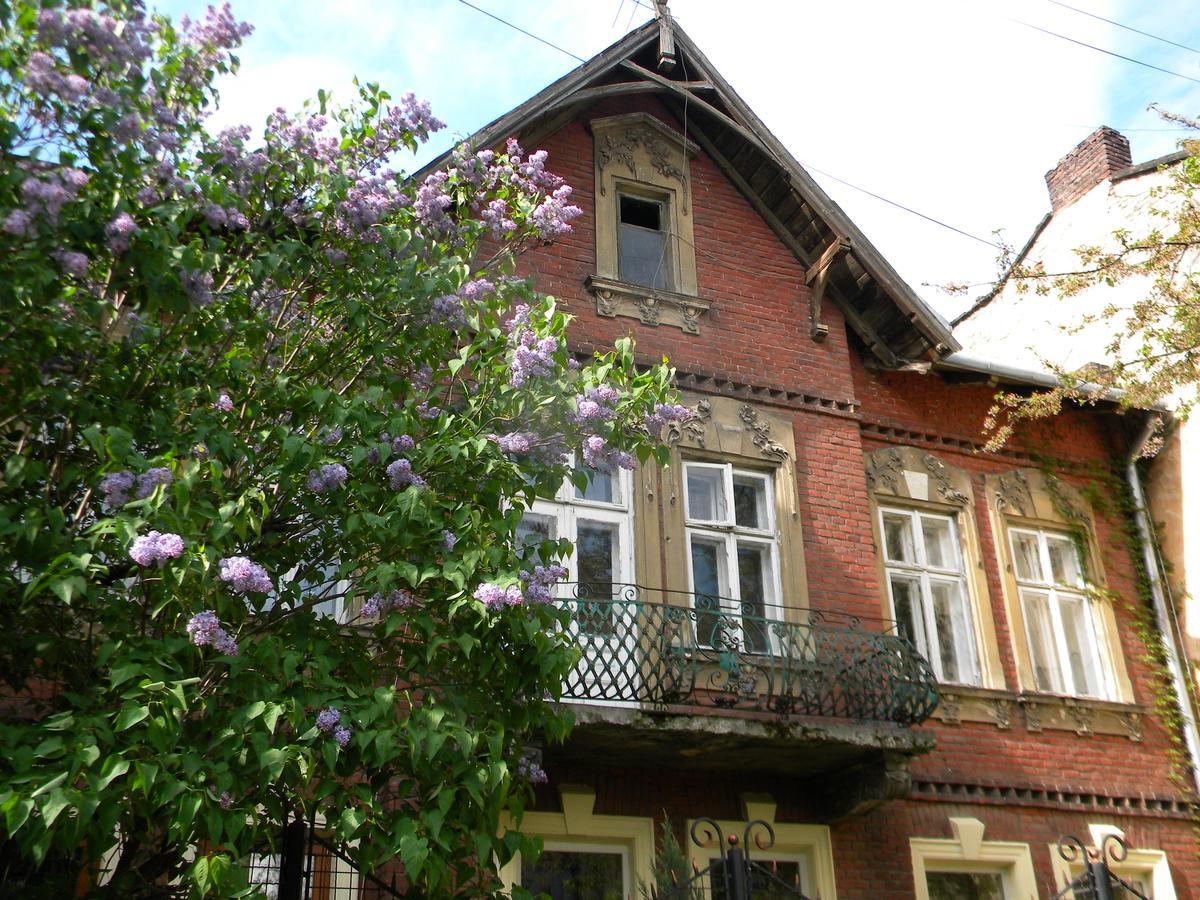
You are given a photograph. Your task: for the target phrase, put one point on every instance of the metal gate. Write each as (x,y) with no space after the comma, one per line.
(1097,881)
(310,867)
(734,875)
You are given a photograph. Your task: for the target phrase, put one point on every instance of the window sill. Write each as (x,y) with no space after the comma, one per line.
(652,306)
(1041,712)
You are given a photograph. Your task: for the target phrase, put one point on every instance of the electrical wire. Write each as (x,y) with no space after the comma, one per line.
(540,40)
(1105,52)
(1084,12)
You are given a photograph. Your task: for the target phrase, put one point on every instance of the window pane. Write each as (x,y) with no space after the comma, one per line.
(1026,557)
(706,494)
(898,538)
(764,881)
(1036,607)
(1081,644)
(954,637)
(601,486)
(642,256)
(940,551)
(754,574)
(532,531)
(750,502)
(1064,560)
(965,885)
(906,600)
(709,584)
(576,875)
(597,546)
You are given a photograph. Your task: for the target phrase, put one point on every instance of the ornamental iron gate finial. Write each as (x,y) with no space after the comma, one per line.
(733,875)
(1097,881)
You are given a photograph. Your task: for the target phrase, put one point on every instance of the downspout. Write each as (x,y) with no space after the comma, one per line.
(1161,614)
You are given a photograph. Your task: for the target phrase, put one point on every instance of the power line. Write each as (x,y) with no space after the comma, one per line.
(1084,12)
(921,215)
(540,40)
(1102,50)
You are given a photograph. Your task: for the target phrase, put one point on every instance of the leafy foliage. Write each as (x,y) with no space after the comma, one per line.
(268,429)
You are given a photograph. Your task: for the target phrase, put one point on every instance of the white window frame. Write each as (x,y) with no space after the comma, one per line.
(922,570)
(621,850)
(566,511)
(728,534)
(1056,593)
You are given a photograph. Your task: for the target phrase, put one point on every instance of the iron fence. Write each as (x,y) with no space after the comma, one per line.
(707,651)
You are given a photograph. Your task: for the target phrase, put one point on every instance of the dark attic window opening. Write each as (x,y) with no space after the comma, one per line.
(642,242)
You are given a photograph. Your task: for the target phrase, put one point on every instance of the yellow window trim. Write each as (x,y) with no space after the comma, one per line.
(577,823)
(967,851)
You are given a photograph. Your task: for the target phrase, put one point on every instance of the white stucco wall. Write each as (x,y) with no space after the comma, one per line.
(1030,330)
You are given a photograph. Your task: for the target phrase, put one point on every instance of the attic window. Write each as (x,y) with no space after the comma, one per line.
(642,242)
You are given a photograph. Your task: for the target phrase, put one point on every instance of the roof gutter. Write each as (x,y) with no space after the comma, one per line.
(962,362)
(1179,679)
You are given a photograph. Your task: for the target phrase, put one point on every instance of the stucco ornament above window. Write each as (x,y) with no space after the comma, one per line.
(645,251)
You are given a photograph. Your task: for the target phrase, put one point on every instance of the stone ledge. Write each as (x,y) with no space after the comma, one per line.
(1083,715)
(652,306)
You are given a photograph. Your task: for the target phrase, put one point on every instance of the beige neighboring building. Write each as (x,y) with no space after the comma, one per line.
(1096,190)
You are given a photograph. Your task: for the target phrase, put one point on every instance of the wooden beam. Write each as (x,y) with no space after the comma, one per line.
(817,277)
(693,100)
(666,36)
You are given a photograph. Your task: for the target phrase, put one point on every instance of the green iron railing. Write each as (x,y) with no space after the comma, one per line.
(708,651)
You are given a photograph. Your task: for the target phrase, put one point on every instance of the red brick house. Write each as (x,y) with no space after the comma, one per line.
(832,612)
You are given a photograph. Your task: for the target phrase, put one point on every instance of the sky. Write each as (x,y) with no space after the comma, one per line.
(953,108)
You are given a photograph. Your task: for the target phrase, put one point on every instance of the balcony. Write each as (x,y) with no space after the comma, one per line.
(665,678)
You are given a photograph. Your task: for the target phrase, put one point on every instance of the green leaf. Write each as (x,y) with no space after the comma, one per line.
(130,715)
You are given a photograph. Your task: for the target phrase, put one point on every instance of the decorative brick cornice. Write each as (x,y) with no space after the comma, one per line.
(1057,797)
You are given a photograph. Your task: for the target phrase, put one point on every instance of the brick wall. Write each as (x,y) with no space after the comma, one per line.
(756,334)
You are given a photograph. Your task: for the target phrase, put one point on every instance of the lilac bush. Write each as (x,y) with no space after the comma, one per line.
(254,378)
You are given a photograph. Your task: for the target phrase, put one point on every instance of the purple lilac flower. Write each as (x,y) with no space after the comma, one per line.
(116,487)
(379,604)
(401,443)
(530,770)
(328,718)
(493,596)
(149,480)
(664,414)
(18,223)
(401,474)
(432,202)
(596,405)
(156,547)
(598,455)
(224,402)
(197,286)
(204,628)
(552,217)
(71,262)
(533,357)
(333,435)
(331,477)
(425,411)
(225,800)
(119,231)
(449,538)
(245,576)
(341,734)
(540,580)
(515,441)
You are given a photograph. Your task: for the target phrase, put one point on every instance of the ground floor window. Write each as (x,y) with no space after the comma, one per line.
(965,885)
(579,872)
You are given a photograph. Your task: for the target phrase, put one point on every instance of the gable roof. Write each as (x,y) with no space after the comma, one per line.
(886,314)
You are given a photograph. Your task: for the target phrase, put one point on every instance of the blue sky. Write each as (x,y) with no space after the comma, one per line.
(947,106)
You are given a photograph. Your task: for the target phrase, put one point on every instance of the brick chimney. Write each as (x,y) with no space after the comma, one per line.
(1097,158)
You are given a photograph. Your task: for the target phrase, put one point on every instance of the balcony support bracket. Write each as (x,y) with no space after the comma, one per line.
(863,787)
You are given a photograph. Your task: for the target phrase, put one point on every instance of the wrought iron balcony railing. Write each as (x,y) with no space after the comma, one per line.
(708,651)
